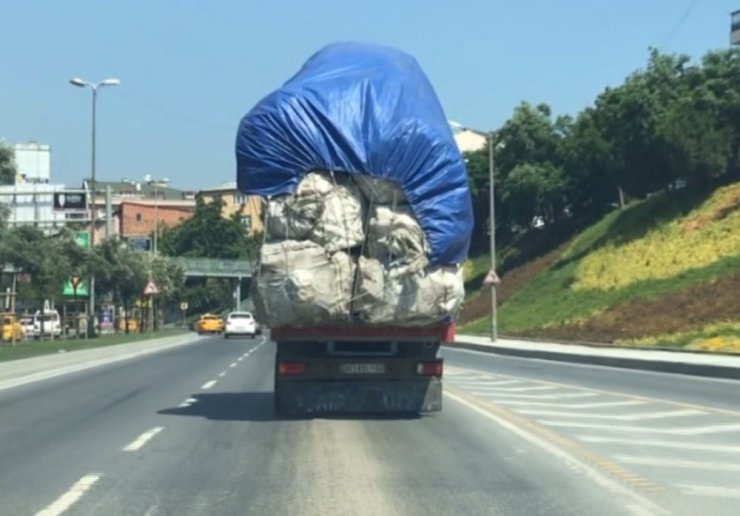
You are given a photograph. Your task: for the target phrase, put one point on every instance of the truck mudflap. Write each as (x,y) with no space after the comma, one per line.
(301,398)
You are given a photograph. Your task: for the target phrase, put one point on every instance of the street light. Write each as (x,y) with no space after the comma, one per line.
(94,87)
(156,183)
(491,279)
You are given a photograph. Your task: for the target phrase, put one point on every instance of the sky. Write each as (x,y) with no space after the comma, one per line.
(190,69)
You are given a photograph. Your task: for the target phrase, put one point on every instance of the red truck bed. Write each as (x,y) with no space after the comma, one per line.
(444,333)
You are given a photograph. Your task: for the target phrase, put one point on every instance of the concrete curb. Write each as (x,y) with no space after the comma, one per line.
(644,364)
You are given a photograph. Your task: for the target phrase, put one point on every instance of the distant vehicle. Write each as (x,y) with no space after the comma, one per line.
(240,323)
(27,323)
(210,323)
(12,330)
(51,327)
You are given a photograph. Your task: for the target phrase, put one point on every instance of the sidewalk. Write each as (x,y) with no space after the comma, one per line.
(693,363)
(27,370)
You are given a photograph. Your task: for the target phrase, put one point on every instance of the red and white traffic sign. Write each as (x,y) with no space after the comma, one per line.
(151,289)
(491,279)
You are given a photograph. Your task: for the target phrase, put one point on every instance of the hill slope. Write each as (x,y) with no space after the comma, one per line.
(665,270)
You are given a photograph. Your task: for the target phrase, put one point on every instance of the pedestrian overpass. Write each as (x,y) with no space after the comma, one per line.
(214,268)
(201,268)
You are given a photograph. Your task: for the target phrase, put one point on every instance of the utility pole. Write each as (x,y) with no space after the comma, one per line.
(492,233)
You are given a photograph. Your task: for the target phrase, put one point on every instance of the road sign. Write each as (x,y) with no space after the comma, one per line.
(183,306)
(142,244)
(82,238)
(80,291)
(70,201)
(151,289)
(491,279)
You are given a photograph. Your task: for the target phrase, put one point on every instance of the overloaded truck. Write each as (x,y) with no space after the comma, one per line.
(367,223)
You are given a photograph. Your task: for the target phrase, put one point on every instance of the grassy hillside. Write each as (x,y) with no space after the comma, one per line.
(662,270)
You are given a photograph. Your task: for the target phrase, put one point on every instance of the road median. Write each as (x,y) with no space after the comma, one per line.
(681,362)
(27,370)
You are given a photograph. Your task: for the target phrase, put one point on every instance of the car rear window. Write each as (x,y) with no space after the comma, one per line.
(240,316)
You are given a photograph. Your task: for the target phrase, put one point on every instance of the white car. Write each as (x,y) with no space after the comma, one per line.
(52,326)
(240,323)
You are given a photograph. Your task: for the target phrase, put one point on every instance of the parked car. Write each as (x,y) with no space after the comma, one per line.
(12,330)
(27,323)
(52,324)
(210,323)
(240,323)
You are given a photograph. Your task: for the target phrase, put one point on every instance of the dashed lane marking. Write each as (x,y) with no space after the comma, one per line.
(69,498)
(143,439)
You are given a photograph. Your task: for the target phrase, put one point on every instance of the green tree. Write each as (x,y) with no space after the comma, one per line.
(7,164)
(208,234)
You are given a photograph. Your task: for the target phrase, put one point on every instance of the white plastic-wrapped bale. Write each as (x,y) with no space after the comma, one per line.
(395,296)
(298,282)
(340,225)
(295,216)
(327,213)
(396,238)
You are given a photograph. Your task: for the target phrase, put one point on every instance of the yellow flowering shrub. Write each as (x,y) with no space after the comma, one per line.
(704,236)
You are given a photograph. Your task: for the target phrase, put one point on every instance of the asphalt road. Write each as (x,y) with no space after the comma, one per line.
(191,431)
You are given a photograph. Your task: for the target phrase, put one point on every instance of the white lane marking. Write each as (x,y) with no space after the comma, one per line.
(716,491)
(518,389)
(721,448)
(143,439)
(572,395)
(233,364)
(698,430)
(208,385)
(482,380)
(640,505)
(598,404)
(222,374)
(636,416)
(678,463)
(187,402)
(75,492)
(240,359)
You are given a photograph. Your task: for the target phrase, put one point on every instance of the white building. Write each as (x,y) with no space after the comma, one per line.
(30,201)
(468,140)
(33,163)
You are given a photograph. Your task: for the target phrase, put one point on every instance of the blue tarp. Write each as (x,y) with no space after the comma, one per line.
(367,109)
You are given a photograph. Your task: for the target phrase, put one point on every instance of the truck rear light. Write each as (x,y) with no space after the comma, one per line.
(291,368)
(430,368)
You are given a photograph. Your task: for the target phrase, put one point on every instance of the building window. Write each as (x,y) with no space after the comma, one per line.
(247,222)
(139,217)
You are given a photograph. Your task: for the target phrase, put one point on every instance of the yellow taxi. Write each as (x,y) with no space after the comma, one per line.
(12,329)
(210,323)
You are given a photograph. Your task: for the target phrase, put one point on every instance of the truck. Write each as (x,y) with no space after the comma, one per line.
(359,369)
(369,113)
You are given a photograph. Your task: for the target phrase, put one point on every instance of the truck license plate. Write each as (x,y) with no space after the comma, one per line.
(362,368)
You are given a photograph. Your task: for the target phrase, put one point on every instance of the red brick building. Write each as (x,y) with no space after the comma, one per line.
(138,217)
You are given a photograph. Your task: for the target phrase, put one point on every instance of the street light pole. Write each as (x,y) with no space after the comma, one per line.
(492,234)
(156,183)
(156,216)
(93,214)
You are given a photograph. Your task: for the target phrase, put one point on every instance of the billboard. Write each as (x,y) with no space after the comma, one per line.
(70,201)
